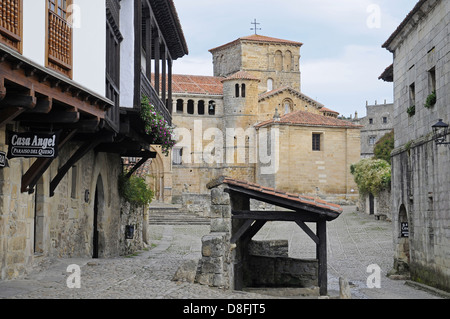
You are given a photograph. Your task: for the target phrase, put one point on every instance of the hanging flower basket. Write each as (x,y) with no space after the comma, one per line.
(157,127)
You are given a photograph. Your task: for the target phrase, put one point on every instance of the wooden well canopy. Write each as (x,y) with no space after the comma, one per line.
(297,208)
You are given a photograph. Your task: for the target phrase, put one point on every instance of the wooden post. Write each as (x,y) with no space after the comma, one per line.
(322,256)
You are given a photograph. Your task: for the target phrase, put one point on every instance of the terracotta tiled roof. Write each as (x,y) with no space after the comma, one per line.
(197,84)
(258,38)
(324,109)
(241,75)
(310,119)
(295,198)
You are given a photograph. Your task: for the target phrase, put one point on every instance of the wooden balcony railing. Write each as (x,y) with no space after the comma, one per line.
(11,23)
(148,90)
(59,44)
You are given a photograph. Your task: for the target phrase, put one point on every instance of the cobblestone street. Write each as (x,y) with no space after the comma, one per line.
(355,241)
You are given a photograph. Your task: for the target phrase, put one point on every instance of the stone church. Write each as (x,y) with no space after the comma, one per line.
(251,121)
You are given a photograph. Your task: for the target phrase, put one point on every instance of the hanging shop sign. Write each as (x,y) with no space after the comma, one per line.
(33,145)
(404,229)
(3,161)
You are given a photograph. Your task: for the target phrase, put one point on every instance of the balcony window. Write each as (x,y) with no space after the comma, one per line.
(59,37)
(11,23)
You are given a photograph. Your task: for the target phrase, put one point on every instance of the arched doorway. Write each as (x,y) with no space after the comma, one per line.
(99,203)
(156,177)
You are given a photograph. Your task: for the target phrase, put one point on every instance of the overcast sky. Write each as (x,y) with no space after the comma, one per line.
(341,58)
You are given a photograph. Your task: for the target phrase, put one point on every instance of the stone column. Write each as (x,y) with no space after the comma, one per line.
(214,267)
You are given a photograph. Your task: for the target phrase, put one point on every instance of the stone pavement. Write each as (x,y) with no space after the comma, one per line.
(355,241)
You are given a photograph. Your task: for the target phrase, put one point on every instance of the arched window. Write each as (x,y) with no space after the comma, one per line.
(278,61)
(236,89)
(269,85)
(288,61)
(201,107)
(190,107)
(243,90)
(180,106)
(288,106)
(212,108)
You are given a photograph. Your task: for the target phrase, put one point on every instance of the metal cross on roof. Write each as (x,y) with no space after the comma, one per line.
(256,26)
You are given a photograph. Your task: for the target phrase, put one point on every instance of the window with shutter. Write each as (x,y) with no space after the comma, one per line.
(11,23)
(59,36)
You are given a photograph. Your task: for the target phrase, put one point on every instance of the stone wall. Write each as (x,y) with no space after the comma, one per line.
(36,226)
(268,265)
(132,222)
(382,205)
(327,172)
(420,179)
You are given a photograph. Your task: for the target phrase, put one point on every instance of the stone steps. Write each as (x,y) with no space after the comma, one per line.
(165,214)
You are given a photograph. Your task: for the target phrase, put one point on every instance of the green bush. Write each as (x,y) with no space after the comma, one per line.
(134,190)
(372,175)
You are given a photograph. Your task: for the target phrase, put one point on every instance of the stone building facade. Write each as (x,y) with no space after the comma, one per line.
(421,178)
(216,119)
(377,123)
(64,128)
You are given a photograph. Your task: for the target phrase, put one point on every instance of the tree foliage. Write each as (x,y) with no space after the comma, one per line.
(384,147)
(135,190)
(372,175)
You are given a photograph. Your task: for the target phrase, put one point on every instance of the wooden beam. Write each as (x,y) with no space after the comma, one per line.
(242,231)
(322,257)
(283,202)
(79,154)
(19,100)
(308,231)
(8,114)
(275,215)
(43,106)
(256,227)
(35,172)
(137,166)
(2,89)
(52,117)
(39,83)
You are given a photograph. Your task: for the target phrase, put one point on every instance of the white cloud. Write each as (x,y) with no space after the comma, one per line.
(194,65)
(346,81)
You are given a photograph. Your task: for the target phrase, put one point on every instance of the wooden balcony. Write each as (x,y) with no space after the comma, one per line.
(59,44)
(11,23)
(148,90)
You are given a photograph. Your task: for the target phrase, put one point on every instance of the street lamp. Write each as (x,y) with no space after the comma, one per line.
(440,131)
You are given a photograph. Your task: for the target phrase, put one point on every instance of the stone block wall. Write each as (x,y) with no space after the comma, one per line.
(36,226)
(420,178)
